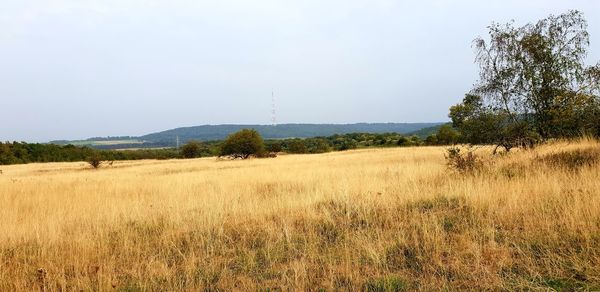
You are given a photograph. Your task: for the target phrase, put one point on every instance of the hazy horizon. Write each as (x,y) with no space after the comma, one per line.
(79,69)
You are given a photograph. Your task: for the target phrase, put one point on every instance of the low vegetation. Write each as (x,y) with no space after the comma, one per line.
(463,160)
(385,219)
(94,161)
(21,152)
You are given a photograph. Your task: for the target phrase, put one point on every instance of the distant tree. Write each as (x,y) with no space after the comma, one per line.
(415,140)
(297,146)
(274,147)
(431,140)
(319,146)
(446,135)
(403,141)
(6,155)
(346,145)
(409,141)
(243,144)
(192,149)
(533,79)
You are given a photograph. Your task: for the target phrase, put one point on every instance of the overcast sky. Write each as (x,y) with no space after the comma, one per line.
(74,69)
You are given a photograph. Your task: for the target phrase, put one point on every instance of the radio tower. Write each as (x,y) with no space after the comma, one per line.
(273,118)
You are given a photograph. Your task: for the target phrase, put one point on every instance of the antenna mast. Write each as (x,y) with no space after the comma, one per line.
(273,117)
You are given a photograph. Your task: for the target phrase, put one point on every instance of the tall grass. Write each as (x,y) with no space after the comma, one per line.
(378,220)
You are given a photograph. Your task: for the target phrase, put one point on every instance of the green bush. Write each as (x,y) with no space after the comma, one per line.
(191,149)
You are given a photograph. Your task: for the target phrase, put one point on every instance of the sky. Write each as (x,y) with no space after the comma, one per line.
(72,69)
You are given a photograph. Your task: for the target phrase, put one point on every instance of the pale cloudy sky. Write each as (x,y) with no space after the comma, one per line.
(80,68)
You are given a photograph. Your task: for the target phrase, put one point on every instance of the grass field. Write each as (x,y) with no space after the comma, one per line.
(377,220)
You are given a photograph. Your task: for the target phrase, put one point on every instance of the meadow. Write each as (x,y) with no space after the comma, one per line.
(374,219)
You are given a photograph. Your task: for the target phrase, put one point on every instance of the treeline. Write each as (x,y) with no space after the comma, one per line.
(343,142)
(445,135)
(21,152)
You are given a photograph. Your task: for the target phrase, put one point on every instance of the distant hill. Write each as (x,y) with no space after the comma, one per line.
(168,138)
(219,132)
(423,133)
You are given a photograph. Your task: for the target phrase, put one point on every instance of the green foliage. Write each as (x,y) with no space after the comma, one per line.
(409,141)
(575,115)
(446,135)
(534,83)
(479,124)
(317,145)
(387,284)
(274,147)
(193,149)
(17,153)
(342,142)
(296,146)
(431,140)
(242,144)
(403,141)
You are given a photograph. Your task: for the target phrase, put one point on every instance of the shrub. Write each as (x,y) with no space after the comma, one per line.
(403,141)
(191,149)
(463,163)
(94,161)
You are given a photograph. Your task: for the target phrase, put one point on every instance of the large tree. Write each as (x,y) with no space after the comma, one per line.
(243,144)
(534,77)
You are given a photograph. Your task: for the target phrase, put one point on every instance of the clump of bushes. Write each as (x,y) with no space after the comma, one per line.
(194,149)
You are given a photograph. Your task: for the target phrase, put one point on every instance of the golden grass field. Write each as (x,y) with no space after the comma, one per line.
(377,220)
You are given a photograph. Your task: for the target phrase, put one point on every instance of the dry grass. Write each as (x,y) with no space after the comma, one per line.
(385,219)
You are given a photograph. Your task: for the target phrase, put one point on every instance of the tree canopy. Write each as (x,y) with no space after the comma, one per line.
(533,84)
(243,144)
(193,149)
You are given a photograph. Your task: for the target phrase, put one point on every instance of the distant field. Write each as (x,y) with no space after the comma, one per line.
(377,220)
(141,148)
